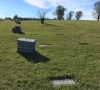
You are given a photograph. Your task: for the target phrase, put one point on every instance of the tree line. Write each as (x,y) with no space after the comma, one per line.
(59,13)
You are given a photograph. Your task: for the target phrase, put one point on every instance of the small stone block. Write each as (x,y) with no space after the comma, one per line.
(16,29)
(26,45)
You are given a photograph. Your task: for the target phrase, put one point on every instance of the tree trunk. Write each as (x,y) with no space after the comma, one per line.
(42,20)
(98,16)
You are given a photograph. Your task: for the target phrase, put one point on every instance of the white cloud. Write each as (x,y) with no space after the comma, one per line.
(87,15)
(72,5)
(38,3)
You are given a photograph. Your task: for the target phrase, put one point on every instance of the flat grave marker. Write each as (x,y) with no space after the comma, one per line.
(62,82)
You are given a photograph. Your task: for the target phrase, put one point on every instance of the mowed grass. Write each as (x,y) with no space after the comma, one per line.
(75,53)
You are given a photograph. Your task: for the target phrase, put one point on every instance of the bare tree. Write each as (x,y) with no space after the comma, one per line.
(69,15)
(41,14)
(78,15)
(95,15)
(96,12)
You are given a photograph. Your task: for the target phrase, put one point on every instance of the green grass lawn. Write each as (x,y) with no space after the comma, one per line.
(75,53)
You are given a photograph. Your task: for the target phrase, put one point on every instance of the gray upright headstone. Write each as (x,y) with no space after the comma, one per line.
(17,21)
(16,29)
(26,45)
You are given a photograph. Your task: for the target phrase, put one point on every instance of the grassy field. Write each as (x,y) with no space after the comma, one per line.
(75,53)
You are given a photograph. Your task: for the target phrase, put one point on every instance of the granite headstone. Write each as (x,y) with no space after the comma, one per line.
(26,45)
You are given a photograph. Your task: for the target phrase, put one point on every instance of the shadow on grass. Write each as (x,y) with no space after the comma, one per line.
(61,77)
(21,33)
(51,25)
(83,43)
(34,57)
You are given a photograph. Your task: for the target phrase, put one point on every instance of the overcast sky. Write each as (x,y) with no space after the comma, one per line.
(29,8)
